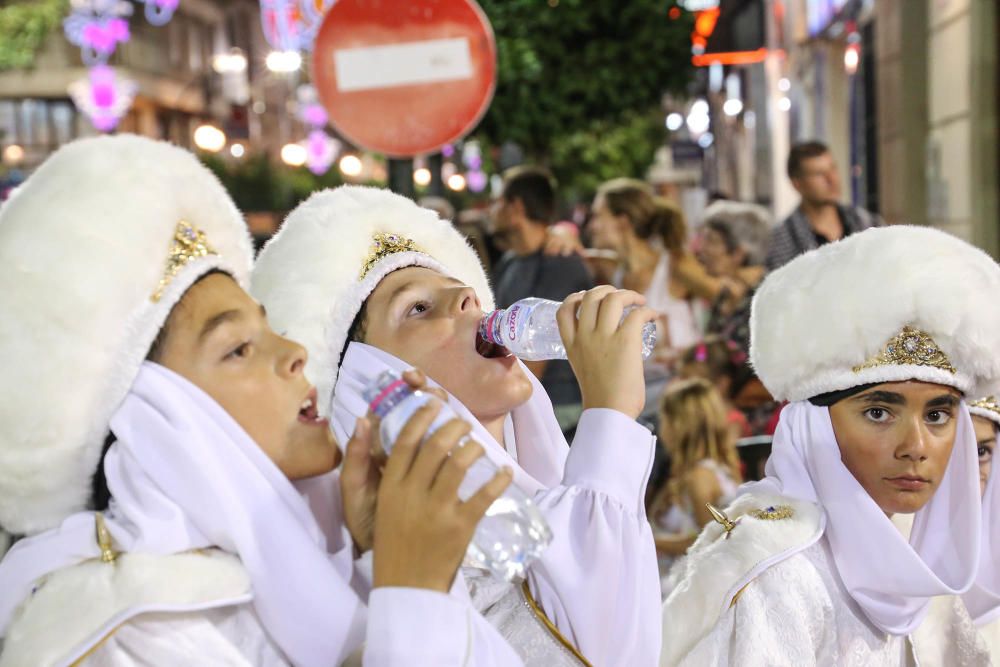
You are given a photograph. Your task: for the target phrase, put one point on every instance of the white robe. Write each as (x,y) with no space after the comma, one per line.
(404,628)
(598,581)
(195,609)
(771,595)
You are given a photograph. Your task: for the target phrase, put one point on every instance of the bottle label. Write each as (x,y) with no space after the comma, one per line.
(513,316)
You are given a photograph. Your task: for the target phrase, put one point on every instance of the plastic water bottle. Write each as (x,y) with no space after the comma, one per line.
(530,331)
(513,532)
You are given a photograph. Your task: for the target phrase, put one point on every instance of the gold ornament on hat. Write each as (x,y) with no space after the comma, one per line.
(910,347)
(189,244)
(383,245)
(988,403)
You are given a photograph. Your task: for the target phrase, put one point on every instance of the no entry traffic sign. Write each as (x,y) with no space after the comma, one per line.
(405,77)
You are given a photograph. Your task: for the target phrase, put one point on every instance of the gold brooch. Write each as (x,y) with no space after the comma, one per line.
(910,347)
(189,243)
(721,518)
(988,403)
(773,513)
(383,245)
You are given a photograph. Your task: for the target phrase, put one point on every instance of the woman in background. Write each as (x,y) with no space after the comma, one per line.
(704,467)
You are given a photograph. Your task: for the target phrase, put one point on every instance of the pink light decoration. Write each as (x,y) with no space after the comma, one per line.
(476,180)
(104,35)
(103,97)
(447,150)
(314,115)
(321,151)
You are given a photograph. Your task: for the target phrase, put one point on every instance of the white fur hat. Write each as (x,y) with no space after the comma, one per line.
(93,256)
(884,305)
(987,408)
(325,261)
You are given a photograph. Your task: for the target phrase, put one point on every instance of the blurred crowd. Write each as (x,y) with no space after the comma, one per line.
(713,417)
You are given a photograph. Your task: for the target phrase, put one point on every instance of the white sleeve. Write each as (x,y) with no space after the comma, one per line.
(598,581)
(421,628)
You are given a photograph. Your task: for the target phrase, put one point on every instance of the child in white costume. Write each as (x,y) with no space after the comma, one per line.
(983,600)
(121,260)
(875,340)
(339,263)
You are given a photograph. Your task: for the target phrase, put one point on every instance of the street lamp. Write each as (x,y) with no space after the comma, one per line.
(232,62)
(732,107)
(422,177)
(209,138)
(350,165)
(283,61)
(294,155)
(13,155)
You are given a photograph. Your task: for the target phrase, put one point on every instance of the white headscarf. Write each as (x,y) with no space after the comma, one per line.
(891,580)
(184,475)
(535,449)
(983,599)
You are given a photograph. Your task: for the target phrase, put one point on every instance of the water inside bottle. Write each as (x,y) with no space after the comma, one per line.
(511,535)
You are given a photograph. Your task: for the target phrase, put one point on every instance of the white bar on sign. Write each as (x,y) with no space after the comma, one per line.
(427,61)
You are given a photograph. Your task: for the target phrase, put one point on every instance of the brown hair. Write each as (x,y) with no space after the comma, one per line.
(698,427)
(801,152)
(649,215)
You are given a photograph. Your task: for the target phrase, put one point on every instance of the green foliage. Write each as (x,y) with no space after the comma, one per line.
(563,68)
(580,83)
(581,161)
(24,27)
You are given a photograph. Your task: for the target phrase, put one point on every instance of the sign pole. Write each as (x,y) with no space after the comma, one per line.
(401,176)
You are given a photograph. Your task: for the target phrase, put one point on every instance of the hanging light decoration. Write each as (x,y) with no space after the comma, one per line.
(321,148)
(97,27)
(159,12)
(282,21)
(103,96)
(312,13)
(321,151)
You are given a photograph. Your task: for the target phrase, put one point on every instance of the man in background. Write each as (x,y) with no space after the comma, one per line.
(820,217)
(522,215)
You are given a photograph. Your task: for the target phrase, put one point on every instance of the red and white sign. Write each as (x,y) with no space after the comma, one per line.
(405,77)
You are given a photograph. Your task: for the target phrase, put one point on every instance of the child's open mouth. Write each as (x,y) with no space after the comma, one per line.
(490,350)
(308,412)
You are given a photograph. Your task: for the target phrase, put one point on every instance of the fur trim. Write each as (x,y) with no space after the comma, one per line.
(307,276)
(832,309)
(707,580)
(986,408)
(75,608)
(83,246)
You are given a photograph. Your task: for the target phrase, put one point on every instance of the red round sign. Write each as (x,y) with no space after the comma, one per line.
(405,77)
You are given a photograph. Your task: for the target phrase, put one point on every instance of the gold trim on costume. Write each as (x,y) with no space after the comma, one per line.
(93,649)
(108,554)
(721,519)
(189,244)
(383,245)
(736,597)
(910,347)
(773,513)
(550,626)
(988,403)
